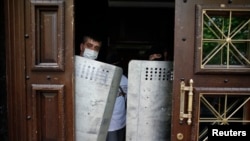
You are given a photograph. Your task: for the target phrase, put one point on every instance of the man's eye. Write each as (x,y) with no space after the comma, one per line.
(89,45)
(97,47)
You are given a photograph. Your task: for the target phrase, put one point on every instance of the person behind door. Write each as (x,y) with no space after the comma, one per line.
(157,53)
(117,127)
(90,46)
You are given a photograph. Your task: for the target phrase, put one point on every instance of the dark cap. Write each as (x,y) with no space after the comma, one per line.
(113,58)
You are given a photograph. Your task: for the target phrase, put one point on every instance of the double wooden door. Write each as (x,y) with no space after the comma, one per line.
(211,68)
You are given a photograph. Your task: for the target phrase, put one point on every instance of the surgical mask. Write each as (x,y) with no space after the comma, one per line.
(90,54)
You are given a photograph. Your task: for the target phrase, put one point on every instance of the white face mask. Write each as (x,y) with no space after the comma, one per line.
(90,54)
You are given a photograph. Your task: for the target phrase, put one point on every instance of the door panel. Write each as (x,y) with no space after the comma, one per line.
(47,24)
(222,43)
(40,66)
(48,114)
(222,108)
(211,66)
(49,67)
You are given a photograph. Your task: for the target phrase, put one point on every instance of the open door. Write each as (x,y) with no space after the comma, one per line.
(40,50)
(211,66)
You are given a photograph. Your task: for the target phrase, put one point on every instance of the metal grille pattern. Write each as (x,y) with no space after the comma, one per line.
(225,39)
(222,109)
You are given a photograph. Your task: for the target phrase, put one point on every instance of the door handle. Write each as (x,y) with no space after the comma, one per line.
(183,89)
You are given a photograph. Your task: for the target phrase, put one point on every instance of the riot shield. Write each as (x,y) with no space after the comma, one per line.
(149,100)
(96,87)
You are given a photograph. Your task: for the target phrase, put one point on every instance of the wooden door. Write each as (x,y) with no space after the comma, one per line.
(40,71)
(211,66)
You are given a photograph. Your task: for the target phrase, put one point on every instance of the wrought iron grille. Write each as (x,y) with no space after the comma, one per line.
(222,109)
(225,42)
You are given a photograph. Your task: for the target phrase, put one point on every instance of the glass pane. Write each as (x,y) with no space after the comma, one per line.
(222,109)
(225,39)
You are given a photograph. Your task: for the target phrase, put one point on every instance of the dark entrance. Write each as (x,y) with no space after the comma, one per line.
(3,94)
(132,28)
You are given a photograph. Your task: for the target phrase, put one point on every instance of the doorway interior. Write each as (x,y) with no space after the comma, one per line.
(132,28)
(3,95)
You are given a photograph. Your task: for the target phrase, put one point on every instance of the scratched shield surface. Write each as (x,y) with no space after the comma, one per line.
(149,100)
(96,87)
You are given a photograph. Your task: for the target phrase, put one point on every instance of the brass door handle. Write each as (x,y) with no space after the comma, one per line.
(183,89)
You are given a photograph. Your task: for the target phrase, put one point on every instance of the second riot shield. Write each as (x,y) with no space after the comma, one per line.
(149,100)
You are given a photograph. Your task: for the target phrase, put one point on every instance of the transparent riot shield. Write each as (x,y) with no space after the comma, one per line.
(96,87)
(149,100)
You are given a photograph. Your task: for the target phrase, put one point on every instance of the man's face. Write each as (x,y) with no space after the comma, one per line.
(155,56)
(90,44)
